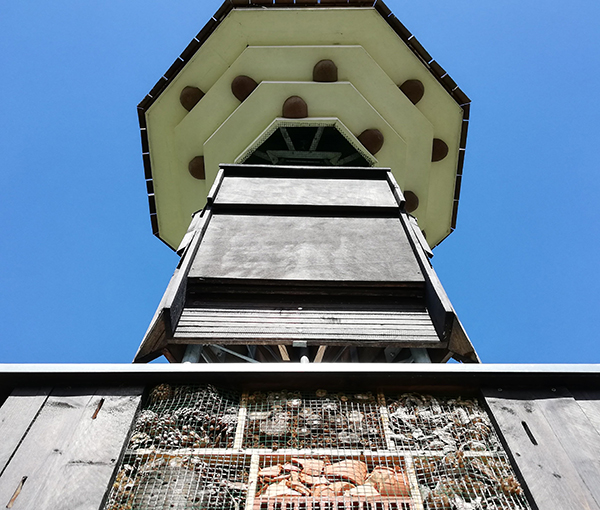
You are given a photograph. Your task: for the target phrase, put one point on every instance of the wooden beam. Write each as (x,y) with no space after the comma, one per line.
(284,352)
(320,354)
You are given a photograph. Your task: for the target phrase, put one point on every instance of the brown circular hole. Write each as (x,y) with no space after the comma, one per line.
(242,86)
(439,150)
(295,107)
(190,96)
(325,71)
(413,89)
(411,201)
(372,139)
(196,167)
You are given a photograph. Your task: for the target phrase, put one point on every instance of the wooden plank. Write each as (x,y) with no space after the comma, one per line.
(551,477)
(171,305)
(589,401)
(440,308)
(577,434)
(285,356)
(305,192)
(16,416)
(71,451)
(299,248)
(320,354)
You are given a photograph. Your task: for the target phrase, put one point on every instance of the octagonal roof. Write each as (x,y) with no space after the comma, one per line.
(277,48)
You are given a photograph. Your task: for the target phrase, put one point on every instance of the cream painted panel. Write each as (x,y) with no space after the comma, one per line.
(339,99)
(295,63)
(243,27)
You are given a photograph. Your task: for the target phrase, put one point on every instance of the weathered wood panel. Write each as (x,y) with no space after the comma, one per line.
(589,401)
(16,415)
(539,448)
(306,248)
(305,192)
(71,450)
(577,435)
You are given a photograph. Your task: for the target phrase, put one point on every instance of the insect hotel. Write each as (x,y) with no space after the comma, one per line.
(303,159)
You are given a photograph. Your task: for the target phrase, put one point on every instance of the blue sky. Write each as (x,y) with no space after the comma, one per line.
(81,273)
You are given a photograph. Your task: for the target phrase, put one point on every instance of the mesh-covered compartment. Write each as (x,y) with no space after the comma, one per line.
(162,482)
(332,482)
(313,420)
(457,480)
(186,416)
(425,422)
(198,447)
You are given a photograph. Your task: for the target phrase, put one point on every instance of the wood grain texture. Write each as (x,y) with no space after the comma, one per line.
(589,401)
(68,457)
(330,326)
(305,191)
(306,248)
(537,445)
(576,433)
(16,415)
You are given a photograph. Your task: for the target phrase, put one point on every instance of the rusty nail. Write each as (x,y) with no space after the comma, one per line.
(98,407)
(17,492)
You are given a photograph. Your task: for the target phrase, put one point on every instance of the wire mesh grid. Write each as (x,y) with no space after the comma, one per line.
(199,447)
(425,422)
(309,420)
(186,482)
(457,481)
(332,482)
(187,416)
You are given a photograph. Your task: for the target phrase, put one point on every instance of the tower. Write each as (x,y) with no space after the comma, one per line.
(303,159)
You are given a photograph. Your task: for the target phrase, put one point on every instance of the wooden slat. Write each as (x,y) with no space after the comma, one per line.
(535,445)
(334,330)
(16,416)
(71,450)
(589,401)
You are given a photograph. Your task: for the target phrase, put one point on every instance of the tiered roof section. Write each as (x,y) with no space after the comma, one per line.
(353,64)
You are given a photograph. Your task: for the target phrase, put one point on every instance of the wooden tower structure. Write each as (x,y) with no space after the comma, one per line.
(303,159)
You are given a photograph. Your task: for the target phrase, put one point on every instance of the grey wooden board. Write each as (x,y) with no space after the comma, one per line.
(328,326)
(331,321)
(552,478)
(305,191)
(589,401)
(16,415)
(306,248)
(68,457)
(576,433)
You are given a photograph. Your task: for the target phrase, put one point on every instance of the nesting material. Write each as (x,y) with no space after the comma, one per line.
(455,481)
(200,447)
(424,422)
(180,483)
(336,481)
(320,419)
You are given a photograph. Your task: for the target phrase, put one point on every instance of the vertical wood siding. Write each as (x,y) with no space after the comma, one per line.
(59,448)
(554,439)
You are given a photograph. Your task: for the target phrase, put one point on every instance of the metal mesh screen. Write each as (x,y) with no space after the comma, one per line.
(199,447)
(457,480)
(305,420)
(424,422)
